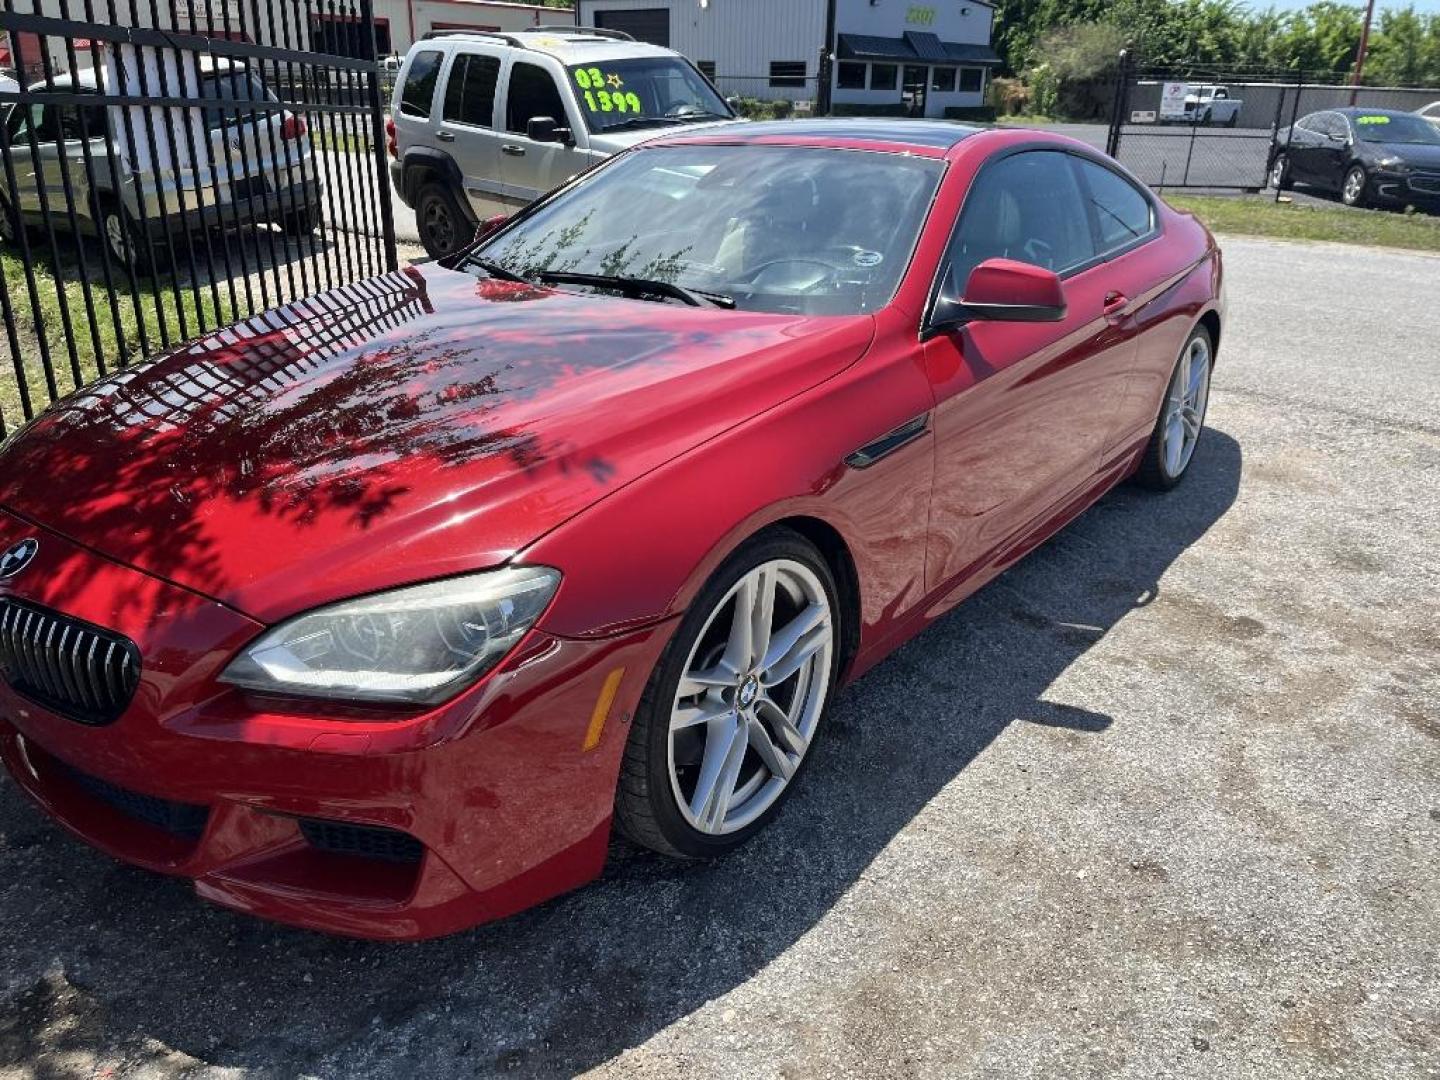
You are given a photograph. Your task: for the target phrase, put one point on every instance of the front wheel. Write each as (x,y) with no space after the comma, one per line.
(736,702)
(1352,190)
(1182,416)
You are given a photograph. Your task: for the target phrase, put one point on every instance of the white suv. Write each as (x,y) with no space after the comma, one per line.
(484,123)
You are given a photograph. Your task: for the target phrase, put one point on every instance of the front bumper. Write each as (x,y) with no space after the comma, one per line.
(503,794)
(1419,189)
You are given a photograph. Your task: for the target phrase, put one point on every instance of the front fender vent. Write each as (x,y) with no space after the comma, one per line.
(70,667)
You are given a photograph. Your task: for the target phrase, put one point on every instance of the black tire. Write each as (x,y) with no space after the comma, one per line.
(1359,195)
(645,806)
(1234,120)
(302,222)
(444,226)
(1282,181)
(136,252)
(9,224)
(1153,472)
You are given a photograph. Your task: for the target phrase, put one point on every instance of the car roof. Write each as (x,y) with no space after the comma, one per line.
(582,45)
(86,79)
(933,138)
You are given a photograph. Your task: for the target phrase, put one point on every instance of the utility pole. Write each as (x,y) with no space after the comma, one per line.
(825,75)
(1360,55)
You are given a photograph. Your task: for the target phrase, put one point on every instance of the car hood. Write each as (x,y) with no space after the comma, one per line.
(1417,155)
(419,424)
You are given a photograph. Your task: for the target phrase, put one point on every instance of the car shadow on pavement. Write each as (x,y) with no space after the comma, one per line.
(100,958)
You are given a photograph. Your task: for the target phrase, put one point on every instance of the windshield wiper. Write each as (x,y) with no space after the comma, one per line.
(495,270)
(643,121)
(639,287)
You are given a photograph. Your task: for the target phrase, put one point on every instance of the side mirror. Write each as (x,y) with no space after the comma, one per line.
(1004,290)
(543,129)
(489,225)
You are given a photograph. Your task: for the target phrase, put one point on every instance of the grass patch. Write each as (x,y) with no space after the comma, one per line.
(340,141)
(1025,120)
(61,327)
(1262,216)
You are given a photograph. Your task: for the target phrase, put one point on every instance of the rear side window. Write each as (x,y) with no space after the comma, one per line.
(236,86)
(1027,207)
(470,91)
(419,91)
(532,93)
(1122,213)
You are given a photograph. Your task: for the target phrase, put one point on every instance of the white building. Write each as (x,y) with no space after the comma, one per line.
(889,55)
(398,23)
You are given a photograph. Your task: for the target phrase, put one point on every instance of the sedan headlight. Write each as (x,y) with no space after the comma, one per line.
(416,645)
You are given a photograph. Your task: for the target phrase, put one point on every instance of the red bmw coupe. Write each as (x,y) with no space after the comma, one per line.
(377,613)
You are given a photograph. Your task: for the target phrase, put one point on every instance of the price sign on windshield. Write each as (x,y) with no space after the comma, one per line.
(605,92)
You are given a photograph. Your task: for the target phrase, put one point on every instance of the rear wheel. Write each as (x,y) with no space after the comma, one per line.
(1182,416)
(444,227)
(121,238)
(9,224)
(1280,173)
(735,703)
(1352,189)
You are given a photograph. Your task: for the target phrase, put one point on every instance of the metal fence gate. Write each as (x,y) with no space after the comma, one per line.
(1171,127)
(171,167)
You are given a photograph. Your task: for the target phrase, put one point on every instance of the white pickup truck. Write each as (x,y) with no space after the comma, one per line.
(1204,105)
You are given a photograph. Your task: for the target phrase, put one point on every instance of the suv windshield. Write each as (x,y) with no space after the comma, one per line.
(776,228)
(644,91)
(1392,128)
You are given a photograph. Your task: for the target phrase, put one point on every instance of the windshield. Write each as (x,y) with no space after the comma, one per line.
(648,91)
(780,229)
(1404,128)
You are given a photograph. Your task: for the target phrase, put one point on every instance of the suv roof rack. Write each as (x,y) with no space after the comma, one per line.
(592,31)
(508,39)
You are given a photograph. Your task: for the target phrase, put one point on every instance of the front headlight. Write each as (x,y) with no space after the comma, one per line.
(416,645)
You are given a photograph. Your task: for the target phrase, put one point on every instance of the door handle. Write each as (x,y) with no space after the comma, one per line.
(1115,305)
(446,136)
(513,150)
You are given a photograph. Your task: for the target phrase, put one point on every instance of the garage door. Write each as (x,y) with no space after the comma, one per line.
(643,24)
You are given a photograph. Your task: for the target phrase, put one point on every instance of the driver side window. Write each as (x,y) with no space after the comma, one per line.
(1026,207)
(532,93)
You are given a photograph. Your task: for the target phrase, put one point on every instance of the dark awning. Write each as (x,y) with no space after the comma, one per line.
(914,47)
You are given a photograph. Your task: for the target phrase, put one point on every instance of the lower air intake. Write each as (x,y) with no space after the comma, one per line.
(366,841)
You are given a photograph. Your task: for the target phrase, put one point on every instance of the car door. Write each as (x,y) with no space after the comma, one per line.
(1023,410)
(1305,143)
(530,168)
(1332,152)
(467,128)
(27,122)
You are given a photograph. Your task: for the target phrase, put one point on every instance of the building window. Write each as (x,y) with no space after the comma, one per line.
(942,79)
(971,79)
(851,77)
(882,76)
(787,73)
(707,68)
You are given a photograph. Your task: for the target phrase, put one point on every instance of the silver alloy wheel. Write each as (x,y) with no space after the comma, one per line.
(751,696)
(1185,406)
(116,237)
(1354,186)
(1277,171)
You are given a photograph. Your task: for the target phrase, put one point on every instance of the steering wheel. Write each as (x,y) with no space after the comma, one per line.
(796,260)
(1038,252)
(685,108)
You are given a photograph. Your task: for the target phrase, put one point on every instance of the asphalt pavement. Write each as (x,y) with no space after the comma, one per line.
(1161,801)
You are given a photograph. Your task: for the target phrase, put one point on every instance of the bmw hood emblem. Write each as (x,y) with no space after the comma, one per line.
(18,556)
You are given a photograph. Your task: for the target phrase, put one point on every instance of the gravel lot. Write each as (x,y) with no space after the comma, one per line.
(1162,801)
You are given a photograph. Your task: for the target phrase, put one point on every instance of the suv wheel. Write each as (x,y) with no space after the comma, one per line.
(444,227)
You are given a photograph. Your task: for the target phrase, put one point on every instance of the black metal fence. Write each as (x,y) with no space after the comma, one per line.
(171,168)
(1217,128)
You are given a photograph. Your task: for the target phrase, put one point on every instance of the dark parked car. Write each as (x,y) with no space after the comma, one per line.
(1366,156)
